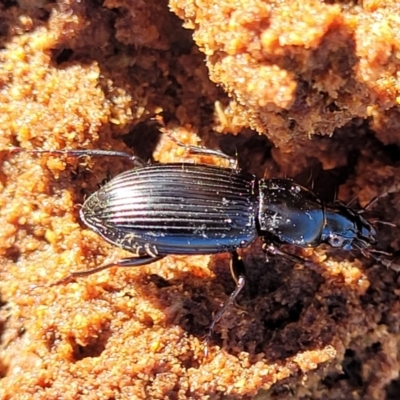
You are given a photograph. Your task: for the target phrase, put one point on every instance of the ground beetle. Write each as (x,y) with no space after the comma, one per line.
(155,210)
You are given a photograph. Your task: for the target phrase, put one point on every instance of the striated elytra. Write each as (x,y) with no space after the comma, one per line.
(162,209)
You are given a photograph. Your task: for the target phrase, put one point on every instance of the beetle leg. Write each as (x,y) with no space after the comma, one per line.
(204,151)
(82,152)
(196,149)
(209,152)
(238,274)
(123,262)
(275,251)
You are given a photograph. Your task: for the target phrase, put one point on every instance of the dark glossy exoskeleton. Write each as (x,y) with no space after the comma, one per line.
(164,209)
(293,214)
(183,209)
(175,209)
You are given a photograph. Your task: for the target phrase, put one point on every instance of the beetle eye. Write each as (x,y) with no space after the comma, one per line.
(336,241)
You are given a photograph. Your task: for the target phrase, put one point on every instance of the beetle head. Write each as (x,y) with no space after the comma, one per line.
(347,229)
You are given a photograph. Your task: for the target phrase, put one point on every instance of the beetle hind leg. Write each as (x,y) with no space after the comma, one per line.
(203,151)
(137,161)
(238,274)
(123,262)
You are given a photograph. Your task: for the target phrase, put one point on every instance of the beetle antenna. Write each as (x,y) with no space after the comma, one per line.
(352,200)
(335,194)
(373,201)
(386,262)
(393,189)
(375,221)
(310,179)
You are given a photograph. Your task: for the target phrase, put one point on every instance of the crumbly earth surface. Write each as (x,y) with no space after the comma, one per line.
(299,68)
(91,74)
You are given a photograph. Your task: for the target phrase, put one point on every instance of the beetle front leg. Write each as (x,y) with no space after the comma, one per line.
(238,274)
(273,250)
(124,262)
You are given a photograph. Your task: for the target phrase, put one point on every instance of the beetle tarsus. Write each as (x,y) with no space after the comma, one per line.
(238,274)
